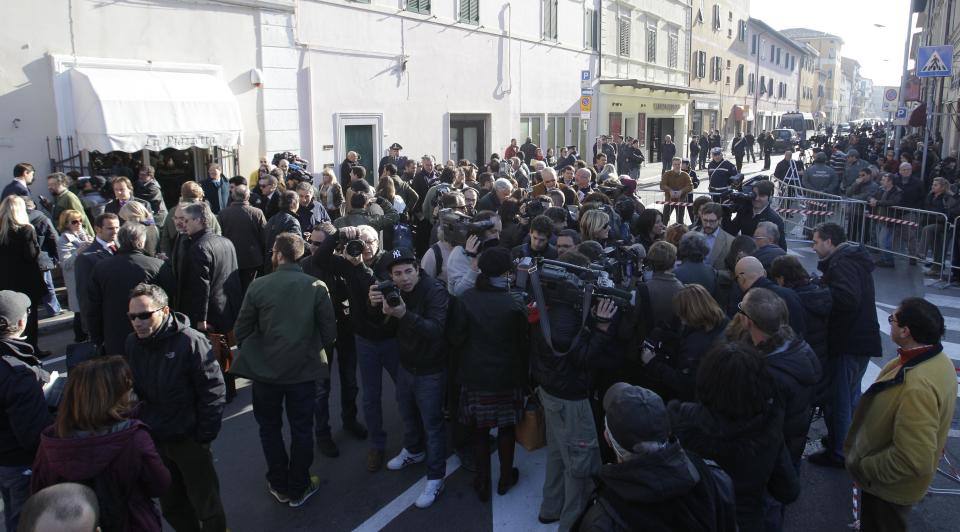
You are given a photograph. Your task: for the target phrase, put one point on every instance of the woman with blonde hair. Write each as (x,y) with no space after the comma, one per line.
(595,225)
(20,269)
(673,370)
(135,212)
(331,193)
(71,240)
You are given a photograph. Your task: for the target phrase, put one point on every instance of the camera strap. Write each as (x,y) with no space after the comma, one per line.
(545,318)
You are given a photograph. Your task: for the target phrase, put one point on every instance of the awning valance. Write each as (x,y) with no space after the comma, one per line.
(129,110)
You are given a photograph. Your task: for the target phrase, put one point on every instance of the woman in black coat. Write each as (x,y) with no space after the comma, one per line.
(488,329)
(20,269)
(739,424)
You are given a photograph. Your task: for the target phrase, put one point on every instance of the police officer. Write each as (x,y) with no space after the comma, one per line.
(722,173)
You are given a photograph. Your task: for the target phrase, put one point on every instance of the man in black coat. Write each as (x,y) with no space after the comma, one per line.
(284,221)
(268,199)
(211,280)
(180,388)
(23,409)
(122,193)
(766,236)
(243,225)
(853,335)
(147,189)
(105,227)
(750,274)
(759,210)
(109,290)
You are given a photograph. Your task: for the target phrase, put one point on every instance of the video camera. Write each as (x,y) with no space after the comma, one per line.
(566,284)
(621,262)
(732,196)
(457,226)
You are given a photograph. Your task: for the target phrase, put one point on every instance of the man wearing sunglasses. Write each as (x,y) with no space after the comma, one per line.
(750,274)
(181,391)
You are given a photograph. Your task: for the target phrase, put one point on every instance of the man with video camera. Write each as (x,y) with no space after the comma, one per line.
(461,272)
(568,345)
(417,305)
(757,209)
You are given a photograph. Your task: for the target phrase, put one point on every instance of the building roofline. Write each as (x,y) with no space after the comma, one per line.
(770,31)
(807,33)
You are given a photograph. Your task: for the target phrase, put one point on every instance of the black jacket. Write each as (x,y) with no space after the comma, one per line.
(109,295)
(87,258)
(853,327)
(243,225)
(114,206)
(269,206)
(524,250)
(46,239)
(19,269)
(570,377)
(211,282)
(665,491)
(747,222)
(178,382)
(673,373)
(796,370)
(23,410)
(489,331)
(420,332)
(721,174)
(767,253)
(794,307)
(282,222)
(751,451)
(150,192)
(817,302)
(911,192)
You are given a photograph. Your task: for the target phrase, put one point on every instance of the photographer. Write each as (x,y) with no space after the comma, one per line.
(417,305)
(376,341)
(541,231)
(670,364)
(564,370)
(750,214)
(359,213)
(461,264)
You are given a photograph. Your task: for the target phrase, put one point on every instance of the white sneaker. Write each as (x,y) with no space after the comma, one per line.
(404,459)
(430,493)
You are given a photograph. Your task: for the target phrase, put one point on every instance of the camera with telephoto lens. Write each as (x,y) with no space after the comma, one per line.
(353,247)
(457,226)
(746,193)
(390,293)
(566,284)
(537,206)
(622,262)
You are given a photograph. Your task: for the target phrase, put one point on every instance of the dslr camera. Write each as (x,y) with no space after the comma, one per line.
(353,247)
(566,284)
(390,293)
(457,226)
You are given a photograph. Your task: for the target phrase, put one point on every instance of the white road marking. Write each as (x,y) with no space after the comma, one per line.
(943,301)
(245,410)
(399,505)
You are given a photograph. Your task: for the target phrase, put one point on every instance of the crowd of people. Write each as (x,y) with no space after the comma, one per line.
(685,406)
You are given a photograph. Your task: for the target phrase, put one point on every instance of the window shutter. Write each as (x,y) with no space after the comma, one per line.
(470,11)
(624,36)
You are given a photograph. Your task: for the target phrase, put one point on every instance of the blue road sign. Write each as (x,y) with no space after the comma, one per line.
(934,61)
(901,113)
(584,75)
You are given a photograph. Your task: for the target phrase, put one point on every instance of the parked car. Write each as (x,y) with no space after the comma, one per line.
(784,139)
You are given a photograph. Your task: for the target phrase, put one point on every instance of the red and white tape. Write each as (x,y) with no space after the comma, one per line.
(805,211)
(888,219)
(675,203)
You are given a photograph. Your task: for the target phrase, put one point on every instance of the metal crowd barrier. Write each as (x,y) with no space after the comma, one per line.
(910,233)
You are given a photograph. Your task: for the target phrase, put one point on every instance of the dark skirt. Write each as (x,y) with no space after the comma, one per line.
(490,409)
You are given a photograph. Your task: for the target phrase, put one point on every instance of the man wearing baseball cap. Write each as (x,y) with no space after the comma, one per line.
(23,410)
(655,484)
(417,304)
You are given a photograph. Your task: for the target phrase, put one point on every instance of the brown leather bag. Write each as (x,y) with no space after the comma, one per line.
(221,349)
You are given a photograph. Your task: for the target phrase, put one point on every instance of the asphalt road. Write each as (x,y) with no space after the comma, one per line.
(350,498)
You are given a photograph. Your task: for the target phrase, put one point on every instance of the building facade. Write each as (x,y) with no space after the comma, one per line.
(719,64)
(809,80)
(775,74)
(829,62)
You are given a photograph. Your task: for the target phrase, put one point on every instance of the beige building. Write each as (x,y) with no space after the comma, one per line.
(809,79)
(827,99)
(719,64)
(776,61)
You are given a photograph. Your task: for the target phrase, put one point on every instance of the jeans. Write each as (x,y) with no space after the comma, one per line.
(846,373)
(886,243)
(192,503)
(15,487)
(373,356)
(573,458)
(288,474)
(933,235)
(421,407)
(50,299)
(669,209)
(346,354)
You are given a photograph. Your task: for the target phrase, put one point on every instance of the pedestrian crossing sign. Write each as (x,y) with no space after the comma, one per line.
(934,61)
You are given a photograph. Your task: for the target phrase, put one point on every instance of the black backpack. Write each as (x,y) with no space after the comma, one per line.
(112,502)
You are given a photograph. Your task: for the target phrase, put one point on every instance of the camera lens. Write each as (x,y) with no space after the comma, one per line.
(354,248)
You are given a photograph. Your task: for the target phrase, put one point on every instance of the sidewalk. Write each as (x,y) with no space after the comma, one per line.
(650,173)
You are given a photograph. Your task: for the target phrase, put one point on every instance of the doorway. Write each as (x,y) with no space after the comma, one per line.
(467,140)
(657,129)
(360,139)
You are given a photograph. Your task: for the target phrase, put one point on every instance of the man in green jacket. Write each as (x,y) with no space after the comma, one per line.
(284,354)
(57,184)
(901,423)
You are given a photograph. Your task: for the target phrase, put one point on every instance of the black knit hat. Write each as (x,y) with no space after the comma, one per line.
(495,262)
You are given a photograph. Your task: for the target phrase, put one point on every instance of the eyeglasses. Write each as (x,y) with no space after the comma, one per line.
(892,319)
(605,226)
(315,243)
(133,316)
(76,222)
(741,311)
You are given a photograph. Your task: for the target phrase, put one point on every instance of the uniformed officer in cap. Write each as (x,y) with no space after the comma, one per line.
(393,157)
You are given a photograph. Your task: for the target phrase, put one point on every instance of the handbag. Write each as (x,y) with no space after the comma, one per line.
(531,432)
(221,349)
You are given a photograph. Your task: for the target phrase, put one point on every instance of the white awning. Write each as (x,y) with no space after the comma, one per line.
(130,109)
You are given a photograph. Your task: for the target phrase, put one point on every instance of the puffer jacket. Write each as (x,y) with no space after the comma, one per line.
(177,381)
(853,327)
(796,370)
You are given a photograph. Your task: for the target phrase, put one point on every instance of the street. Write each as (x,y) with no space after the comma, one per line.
(353,499)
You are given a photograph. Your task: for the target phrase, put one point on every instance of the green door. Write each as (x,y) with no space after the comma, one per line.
(360,140)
